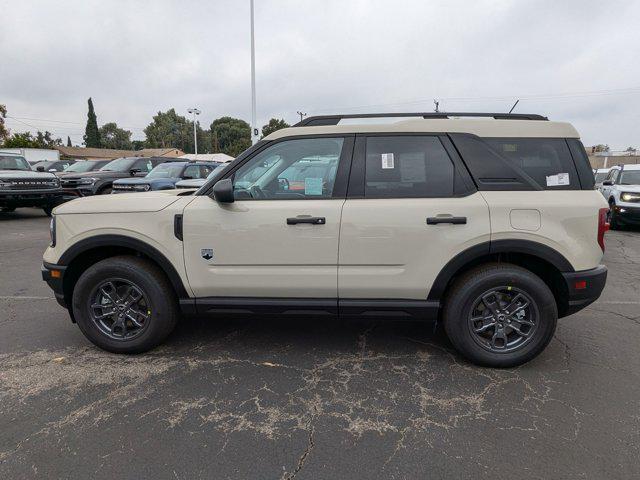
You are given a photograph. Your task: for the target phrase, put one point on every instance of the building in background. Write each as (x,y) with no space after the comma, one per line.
(211,157)
(108,153)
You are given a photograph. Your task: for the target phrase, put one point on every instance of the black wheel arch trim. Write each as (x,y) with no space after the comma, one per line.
(480,250)
(127,242)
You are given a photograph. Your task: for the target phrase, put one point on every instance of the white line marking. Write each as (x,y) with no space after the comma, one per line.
(622,302)
(15,297)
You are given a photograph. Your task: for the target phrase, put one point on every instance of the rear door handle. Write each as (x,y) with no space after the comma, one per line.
(306,219)
(452,220)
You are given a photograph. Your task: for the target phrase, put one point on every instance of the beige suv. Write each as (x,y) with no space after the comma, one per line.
(490,226)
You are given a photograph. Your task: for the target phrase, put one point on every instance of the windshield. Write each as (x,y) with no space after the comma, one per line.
(44,164)
(10,162)
(80,167)
(600,176)
(630,177)
(118,165)
(165,170)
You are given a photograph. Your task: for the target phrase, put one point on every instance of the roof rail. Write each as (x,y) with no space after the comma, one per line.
(321,120)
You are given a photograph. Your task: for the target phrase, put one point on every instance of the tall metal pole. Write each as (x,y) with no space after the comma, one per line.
(195,112)
(254,127)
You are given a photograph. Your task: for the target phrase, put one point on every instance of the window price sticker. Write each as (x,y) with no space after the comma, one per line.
(387,161)
(557,180)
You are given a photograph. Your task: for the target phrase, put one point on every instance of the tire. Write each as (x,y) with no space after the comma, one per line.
(159,304)
(105,191)
(47,210)
(509,281)
(7,209)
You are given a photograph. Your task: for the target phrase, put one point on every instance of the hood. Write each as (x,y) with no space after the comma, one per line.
(121,203)
(26,174)
(629,188)
(97,174)
(145,181)
(193,183)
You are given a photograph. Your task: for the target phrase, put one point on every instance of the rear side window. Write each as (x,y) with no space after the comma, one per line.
(407,166)
(547,161)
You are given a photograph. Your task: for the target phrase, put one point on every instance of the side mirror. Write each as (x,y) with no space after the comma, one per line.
(223,191)
(607,183)
(40,169)
(134,171)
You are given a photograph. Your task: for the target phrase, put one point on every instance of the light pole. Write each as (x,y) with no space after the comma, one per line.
(254,127)
(195,112)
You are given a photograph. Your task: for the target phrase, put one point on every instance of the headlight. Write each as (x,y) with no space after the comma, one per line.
(630,197)
(87,181)
(142,188)
(52,231)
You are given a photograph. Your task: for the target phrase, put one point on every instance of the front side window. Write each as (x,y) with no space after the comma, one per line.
(407,167)
(548,161)
(293,169)
(118,165)
(144,165)
(192,171)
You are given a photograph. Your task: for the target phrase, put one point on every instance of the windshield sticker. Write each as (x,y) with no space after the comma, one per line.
(313,186)
(557,180)
(387,160)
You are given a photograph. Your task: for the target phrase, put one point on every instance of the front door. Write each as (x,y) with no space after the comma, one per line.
(279,239)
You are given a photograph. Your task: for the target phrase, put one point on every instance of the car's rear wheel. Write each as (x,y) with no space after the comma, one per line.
(500,315)
(125,305)
(612,217)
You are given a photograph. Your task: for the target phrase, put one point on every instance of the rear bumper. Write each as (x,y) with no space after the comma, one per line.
(583,288)
(55,282)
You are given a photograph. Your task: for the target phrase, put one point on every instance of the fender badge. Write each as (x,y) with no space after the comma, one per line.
(207,253)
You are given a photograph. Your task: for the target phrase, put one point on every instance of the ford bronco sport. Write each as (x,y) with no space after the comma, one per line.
(621,189)
(490,226)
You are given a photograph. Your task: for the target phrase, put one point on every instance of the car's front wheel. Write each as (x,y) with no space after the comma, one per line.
(125,305)
(500,315)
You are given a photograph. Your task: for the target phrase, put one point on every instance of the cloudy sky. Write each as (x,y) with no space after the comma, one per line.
(571,60)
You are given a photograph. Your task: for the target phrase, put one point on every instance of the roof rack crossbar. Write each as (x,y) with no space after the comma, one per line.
(321,120)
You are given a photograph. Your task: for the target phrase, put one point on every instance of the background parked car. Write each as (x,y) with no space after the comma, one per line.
(82,166)
(20,186)
(165,176)
(100,182)
(53,166)
(198,182)
(621,188)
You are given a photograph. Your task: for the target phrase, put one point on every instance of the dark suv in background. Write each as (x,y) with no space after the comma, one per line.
(53,166)
(165,176)
(100,182)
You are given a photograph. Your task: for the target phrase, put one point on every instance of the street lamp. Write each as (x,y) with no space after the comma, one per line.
(254,127)
(195,112)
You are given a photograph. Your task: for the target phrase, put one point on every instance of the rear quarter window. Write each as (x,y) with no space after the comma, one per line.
(547,161)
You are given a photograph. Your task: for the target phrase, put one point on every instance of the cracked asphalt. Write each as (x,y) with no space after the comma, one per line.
(269,398)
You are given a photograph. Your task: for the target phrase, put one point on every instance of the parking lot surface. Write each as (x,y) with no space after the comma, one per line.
(302,398)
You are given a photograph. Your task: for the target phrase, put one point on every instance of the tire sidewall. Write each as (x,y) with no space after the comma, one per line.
(461,303)
(161,320)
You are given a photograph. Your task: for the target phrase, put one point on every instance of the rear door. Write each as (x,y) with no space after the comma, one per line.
(411,207)
(279,239)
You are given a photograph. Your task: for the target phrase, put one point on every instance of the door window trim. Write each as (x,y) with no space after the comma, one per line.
(342,173)
(463,184)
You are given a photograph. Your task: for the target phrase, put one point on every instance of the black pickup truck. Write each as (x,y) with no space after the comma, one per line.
(20,186)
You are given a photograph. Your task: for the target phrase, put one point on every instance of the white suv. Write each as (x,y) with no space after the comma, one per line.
(490,226)
(621,189)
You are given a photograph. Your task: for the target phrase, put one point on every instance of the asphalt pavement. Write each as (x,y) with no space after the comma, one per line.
(301,398)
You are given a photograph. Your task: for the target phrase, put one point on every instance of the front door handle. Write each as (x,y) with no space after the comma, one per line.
(452,220)
(306,219)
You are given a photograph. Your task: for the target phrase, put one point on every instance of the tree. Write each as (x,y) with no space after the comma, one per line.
(170,130)
(631,150)
(91,132)
(273,125)
(600,148)
(26,140)
(69,144)
(230,135)
(111,136)
(4,133)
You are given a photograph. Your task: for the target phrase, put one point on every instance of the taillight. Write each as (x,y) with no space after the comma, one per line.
(603,226)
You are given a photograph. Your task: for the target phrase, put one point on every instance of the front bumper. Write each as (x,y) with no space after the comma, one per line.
(29,198)
(54,276)
(582,288)
(627,214)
